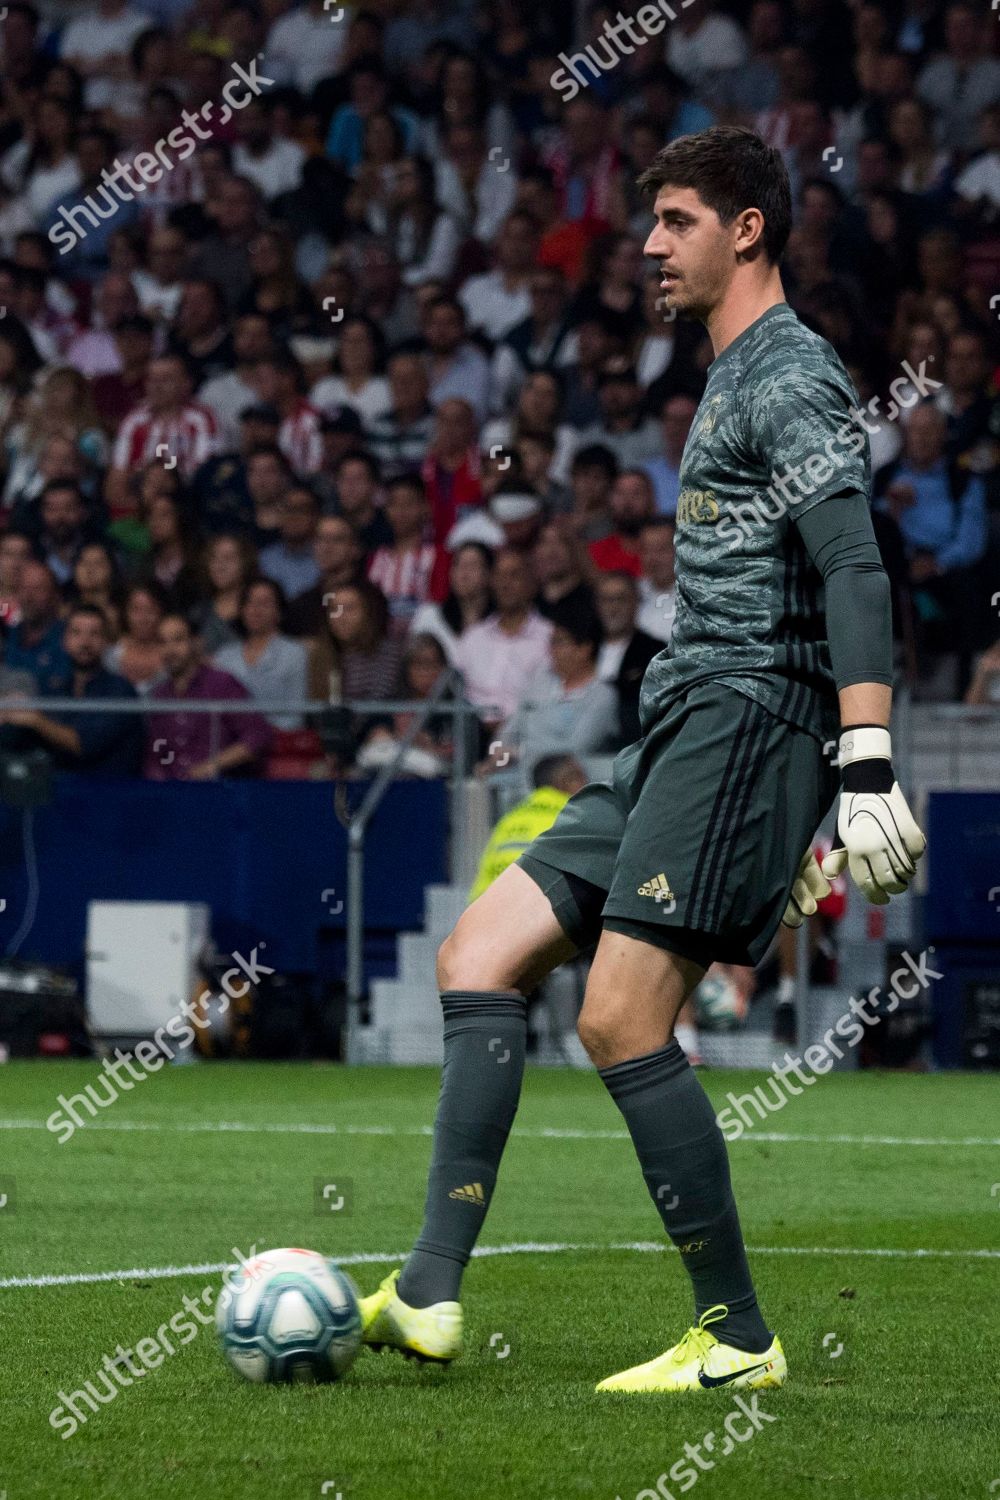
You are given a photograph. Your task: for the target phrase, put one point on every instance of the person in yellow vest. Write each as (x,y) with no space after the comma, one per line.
(555,778)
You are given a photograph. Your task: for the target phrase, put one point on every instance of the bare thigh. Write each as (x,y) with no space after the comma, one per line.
(634,994)
(508,939)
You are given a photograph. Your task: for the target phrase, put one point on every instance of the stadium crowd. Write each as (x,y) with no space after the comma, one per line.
(328,355)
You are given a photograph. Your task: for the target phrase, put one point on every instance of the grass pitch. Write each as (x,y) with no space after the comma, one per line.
(894,1381)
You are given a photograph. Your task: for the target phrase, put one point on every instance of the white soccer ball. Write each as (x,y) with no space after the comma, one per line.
(719,1004)
(287,1316)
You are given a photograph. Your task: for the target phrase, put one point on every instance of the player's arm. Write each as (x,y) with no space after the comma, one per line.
(880,842)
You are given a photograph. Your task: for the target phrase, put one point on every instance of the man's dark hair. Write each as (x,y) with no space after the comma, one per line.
(552,769)
(731,169)
(580,622)
(595,456)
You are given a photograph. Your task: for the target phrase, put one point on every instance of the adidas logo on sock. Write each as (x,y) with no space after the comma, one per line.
(471,1193)
(658,888)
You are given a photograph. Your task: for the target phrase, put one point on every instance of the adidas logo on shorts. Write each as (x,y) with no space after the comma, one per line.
(658,888)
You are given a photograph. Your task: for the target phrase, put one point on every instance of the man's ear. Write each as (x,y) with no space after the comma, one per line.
(749,231)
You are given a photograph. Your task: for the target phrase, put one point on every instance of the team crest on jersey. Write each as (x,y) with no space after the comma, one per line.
(708,421)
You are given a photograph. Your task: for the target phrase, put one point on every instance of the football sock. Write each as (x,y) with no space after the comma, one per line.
(484,1039)
(683,1157)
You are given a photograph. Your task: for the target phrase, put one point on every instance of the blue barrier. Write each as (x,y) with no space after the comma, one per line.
(259,854)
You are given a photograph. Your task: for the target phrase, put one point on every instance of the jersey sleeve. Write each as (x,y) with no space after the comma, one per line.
(799,418)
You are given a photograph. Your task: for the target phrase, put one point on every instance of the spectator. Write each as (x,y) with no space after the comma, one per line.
(271,163)
(469,185)
(961,81)
(400,437)
(97,45)
(61,528)
(623,428)
(969,403)
(94,743)
(199,334)
(592,478)
(665,470)
(427,239)
(337,555)
(358,381)
(61,406)
(499,655)
(290,560)
(169,427)
(174,559)
(15,551)
(468,601)
(279,381)
(458,371)
(564,707)
(496,302)
(410,571)
(626,651)
(117,393)
(356,657)
(270,665)
(235,212)
(230,563)
(137,654)
(632,505)
(357,487)
(160,283)
(541,341)
(657,583)
(97,581)
(35,643)
(451,471)
(185,746)
(229,394)
(558,571)
(431,749)
(984,689)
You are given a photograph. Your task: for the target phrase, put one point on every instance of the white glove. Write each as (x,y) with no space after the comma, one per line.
(810,887)
(880,841)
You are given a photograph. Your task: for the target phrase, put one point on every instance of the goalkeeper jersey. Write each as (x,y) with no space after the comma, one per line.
(773,437)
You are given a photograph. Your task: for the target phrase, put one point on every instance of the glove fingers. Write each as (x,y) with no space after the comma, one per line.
(864,878)
(816,882)
(833,864)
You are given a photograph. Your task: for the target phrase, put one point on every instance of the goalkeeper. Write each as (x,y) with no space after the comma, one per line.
(694,850)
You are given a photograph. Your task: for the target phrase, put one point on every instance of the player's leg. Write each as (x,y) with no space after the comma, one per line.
(633,997)
(502,946)
(727,798)
(537,914)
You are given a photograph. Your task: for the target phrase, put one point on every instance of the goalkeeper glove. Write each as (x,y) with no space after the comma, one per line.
(880,842)
(809,888)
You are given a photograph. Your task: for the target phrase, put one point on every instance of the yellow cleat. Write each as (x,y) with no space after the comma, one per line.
(427,1333)
(700,1362)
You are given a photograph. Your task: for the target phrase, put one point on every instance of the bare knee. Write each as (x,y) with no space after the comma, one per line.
(464,962)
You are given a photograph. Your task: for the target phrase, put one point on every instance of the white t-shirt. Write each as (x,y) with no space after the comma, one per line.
(491,307)
(981,179)
(715,45)
(279,170)
(374,400)
(303,47)
(92,37)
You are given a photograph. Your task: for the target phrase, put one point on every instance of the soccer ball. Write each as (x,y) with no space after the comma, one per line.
(719,1004)
(289,1315)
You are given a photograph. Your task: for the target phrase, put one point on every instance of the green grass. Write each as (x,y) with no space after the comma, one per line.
(907,1411)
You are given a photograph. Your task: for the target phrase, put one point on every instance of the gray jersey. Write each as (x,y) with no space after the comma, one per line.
(773,437)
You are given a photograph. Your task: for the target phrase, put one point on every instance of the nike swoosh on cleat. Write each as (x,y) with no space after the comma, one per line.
(711,1381)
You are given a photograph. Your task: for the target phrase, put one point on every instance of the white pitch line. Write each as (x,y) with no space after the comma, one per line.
(529,1247)
(546,1133)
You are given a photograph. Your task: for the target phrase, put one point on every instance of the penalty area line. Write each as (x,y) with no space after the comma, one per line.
(484,1252)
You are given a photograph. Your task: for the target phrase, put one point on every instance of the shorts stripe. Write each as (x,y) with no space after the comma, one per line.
(722,828)
(748,784)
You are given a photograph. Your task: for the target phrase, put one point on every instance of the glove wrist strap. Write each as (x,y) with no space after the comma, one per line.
(866,758)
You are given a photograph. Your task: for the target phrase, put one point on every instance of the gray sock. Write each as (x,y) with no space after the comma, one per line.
(484,1037)
(683,1157)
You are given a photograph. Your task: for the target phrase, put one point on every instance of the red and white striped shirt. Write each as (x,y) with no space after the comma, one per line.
(407,579)
(190,435)
(299,439)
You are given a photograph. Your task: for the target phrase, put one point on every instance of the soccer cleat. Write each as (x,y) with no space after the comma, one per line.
(427,1333)
(700,1362)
